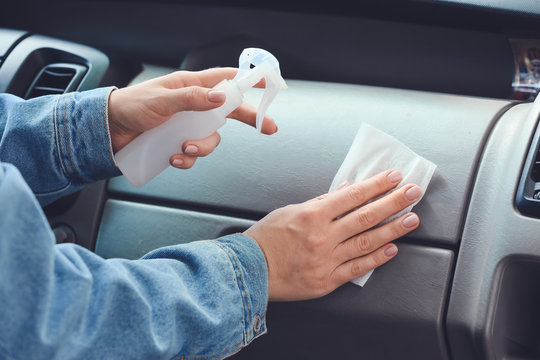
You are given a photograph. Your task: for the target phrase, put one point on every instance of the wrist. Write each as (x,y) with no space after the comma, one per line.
(118,134)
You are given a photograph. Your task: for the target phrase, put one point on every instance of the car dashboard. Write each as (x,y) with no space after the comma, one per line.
(455,91)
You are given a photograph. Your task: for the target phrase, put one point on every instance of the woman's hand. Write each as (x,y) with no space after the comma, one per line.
(314,247)
(135,109)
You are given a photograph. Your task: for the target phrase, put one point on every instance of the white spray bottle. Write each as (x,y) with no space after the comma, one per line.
(149,153)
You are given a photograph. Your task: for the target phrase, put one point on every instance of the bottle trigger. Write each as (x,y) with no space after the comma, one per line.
(255,64)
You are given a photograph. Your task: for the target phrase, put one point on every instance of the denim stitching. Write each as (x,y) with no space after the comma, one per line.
(55,191)
(243,285)
(57,135)
(236,269)
(68,148)
(231,348)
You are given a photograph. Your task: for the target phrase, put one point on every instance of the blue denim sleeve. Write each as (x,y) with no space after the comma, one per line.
(59,142)
(203,300)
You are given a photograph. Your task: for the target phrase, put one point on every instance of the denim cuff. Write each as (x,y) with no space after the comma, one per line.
(82,134)
(251,273)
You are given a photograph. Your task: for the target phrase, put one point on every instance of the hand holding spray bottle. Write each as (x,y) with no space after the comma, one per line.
(149,153)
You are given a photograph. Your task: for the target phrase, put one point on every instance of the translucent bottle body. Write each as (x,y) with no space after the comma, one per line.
(149,154)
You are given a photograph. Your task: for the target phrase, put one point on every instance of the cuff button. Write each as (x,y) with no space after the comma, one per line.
(257,323)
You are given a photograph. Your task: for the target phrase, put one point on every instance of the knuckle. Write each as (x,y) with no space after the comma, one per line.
(358,268)
(315,241)
(179,78)
(372,262)
(191,95)
(356,194)
(364,217)
(363,243)
(308,214)
(290,211)
(396,230)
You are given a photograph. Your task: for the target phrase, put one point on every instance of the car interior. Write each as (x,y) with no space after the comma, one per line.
(454,80)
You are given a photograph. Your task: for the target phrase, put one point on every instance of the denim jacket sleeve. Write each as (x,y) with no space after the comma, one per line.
(59,143)
(203,300)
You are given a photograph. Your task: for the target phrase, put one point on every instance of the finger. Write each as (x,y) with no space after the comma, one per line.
(372,214)
(366,242)
(359,266)
(346,199)
(205,78)
(181,161)
(193,98)
(211,77)
(247,114)
(201,147)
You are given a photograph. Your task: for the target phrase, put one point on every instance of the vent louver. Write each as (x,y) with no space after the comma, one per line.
(56,79)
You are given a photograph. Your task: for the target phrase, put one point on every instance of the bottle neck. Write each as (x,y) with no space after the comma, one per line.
(252,77)
(234,97)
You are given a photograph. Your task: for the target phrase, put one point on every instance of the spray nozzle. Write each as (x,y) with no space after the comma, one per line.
(255,64)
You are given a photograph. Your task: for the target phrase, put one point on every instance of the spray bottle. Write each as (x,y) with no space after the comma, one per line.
(149,153)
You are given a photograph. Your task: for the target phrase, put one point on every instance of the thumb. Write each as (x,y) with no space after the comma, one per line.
(196,98)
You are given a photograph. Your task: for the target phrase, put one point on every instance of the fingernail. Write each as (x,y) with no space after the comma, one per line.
(410,221)
(216,96)
(413,193)
(191,150)
(390,251)
(178,162)
(394,176)
(342,185)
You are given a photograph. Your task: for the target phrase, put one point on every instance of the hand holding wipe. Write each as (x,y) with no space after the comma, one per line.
(148,154)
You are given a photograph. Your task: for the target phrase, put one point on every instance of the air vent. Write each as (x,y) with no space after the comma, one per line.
(56,79)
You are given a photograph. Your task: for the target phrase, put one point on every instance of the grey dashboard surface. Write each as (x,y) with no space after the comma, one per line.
(493,308)
(387,319)
(251,174)
(125,232)
(254,174)
(389,305)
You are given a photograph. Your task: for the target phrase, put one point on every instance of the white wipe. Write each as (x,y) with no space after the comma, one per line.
(374,151)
